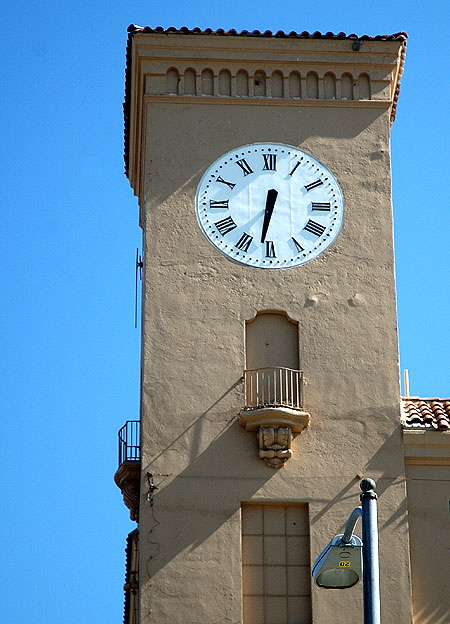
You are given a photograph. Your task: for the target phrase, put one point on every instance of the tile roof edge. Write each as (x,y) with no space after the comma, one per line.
(184,30)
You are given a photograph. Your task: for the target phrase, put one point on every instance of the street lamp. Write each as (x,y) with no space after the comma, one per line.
(339,565)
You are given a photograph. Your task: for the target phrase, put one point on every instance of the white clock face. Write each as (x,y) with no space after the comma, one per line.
(269,205)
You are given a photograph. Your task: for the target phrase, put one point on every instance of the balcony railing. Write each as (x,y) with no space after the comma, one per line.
(273,387)
(129,442)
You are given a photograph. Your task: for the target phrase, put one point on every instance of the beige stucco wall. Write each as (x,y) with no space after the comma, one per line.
(429,522)
(196,303)
(427,457)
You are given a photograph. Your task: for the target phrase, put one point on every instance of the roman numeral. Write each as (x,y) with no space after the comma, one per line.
(225,225)
(222,181)
(243,164)
(270,249)
(297,245)
(295,167)
(218,204)
(312,185)
(322,206)
(244,242)
(270,162)
(315,228)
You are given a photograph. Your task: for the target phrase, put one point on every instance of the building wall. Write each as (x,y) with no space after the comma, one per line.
(195,307)
(427,458)
(429,523)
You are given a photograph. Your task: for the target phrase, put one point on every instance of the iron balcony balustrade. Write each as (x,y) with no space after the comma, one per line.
(129,442)
(274,386)
(128,475)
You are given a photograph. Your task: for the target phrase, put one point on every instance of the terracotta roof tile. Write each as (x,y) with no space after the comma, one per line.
(133,30)
(418,413)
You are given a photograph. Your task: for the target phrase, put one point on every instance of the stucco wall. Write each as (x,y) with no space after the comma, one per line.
(429,521)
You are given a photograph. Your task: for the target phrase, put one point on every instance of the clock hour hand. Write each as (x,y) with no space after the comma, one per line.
(272,195)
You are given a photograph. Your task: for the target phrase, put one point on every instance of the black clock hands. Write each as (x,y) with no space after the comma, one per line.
(272,195)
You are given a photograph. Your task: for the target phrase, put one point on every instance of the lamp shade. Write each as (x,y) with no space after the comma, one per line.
(339,565)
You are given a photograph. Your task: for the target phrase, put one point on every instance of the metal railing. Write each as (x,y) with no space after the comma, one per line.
(129,442)
(274,386)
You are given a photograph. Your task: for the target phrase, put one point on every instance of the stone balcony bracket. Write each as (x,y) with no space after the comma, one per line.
(127,478)
(275,427)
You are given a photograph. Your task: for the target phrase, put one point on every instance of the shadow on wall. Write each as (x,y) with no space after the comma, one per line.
(389,477)
(210,488)
(221,472)
(193,432)
(387,468)
(213,130)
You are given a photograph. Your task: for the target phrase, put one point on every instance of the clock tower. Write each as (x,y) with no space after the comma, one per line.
(270,381)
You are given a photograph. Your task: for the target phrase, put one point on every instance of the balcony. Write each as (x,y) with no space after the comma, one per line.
(274,408)
(275,387)
(128,474)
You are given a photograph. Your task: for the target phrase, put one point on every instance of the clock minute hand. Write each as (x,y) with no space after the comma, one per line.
(272,195)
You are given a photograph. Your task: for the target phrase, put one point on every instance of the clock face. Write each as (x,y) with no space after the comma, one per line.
(269,205)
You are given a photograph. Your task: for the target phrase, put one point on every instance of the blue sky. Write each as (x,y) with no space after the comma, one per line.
(70,366)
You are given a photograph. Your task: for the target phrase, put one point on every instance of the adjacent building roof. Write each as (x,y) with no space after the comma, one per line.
(433,414)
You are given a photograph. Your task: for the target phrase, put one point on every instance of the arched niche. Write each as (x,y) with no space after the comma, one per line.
(364,87)
(172,81)
(207,82)
(277,81)
(259,83)
(294,85)
(242,82)
(271,340)
(347,87)
(224,82)
(329,86)
(312,86)
(189,82)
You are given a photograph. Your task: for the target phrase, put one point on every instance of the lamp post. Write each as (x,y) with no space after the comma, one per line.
(339,565)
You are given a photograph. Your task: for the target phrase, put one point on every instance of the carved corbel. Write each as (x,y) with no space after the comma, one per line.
(275,445)
(276,427)
(127,478)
